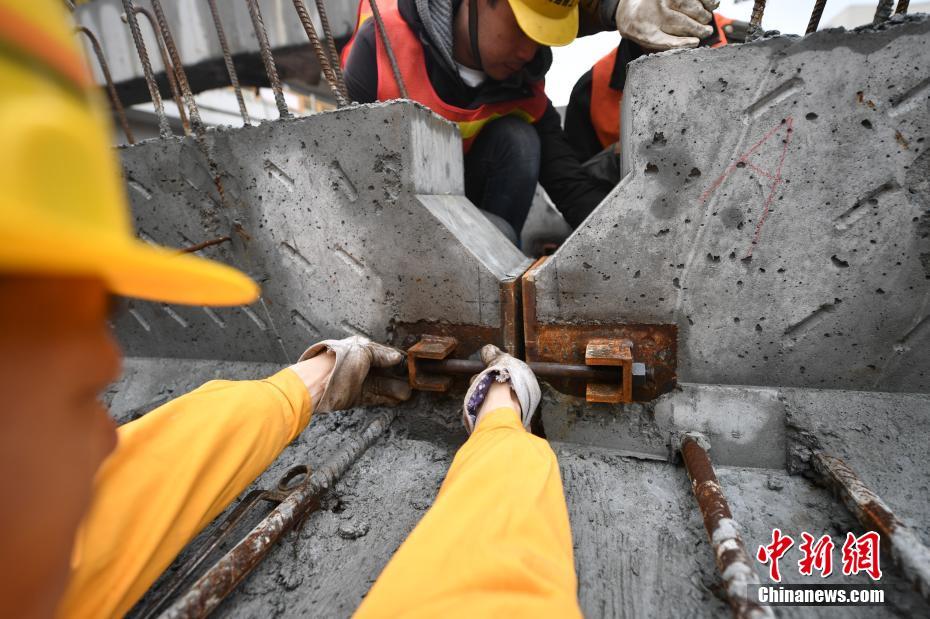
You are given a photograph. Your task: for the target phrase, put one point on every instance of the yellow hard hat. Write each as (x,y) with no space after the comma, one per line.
(548,22)
(63,209)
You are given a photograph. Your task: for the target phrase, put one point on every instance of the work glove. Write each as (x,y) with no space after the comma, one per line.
(349,383)
(501,368)
(665,24)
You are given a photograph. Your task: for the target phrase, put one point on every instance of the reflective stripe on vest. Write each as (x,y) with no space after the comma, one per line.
(412,63)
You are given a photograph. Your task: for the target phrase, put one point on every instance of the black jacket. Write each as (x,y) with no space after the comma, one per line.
(573,191)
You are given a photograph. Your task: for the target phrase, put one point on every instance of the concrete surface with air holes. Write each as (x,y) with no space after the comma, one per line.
(351,221)
(827,368)
(639,543)
(777,209)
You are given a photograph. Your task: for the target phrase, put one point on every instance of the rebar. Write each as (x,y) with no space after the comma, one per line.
(271,70)
(902,7)
(164,129)
(733,562)
(883,11)
(331,47)
(469,367)
(908,552)
(108,78)
(322,55)
(211,588)
(195,248)
(382,31)
(227,57)
(816,14)
(755,21)
(181,75)
(169,68)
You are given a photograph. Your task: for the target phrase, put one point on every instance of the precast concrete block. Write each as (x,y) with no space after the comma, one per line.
(776,209)
(353,222)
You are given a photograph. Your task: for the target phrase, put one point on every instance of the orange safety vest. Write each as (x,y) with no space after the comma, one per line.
(605,101)
(412,63)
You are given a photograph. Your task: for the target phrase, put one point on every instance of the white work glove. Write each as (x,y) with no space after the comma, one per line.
(665,24)
(501,368)
(349,383)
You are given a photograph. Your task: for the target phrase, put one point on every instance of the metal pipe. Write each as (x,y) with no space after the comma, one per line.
(227,58)
(108,78)
(331,47)
(758,9)
(181,75)
(211,588)
(816,14)
(883,11)
(376,13)
(909,553)
(469,367)
(169,68)
(322,55)
(164,129)
(732,560)
(902,7)
(258,24)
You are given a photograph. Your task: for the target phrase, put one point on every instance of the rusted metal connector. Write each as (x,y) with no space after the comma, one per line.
(732,560)
(219,581)
(908,552)
(429,347)
(609,371)
(613,353)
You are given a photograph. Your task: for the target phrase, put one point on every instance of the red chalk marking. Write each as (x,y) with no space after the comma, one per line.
(775,177)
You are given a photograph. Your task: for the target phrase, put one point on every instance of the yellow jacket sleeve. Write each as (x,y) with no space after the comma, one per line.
(173,471)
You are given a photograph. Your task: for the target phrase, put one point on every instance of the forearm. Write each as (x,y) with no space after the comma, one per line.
(175,470)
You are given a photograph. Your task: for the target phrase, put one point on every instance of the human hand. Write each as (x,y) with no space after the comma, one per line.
(483,395)
(665,24)
(336,373)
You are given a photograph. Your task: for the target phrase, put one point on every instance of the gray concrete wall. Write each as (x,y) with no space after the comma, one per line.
(777,210)
(352,221)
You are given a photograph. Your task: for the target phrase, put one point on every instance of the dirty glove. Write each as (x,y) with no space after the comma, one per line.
(665,24)
(502,368)
(349,383)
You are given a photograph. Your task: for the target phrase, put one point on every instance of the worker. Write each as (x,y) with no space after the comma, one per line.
(481,64)
(592,117)
(93,514)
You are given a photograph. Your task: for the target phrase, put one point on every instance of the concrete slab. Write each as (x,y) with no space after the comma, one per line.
(776,210)
(353,221)
(640,547)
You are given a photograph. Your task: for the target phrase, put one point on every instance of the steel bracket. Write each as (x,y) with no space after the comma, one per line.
(435,347)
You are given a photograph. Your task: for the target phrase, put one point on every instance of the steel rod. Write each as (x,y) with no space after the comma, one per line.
(227,58)
(258,24)
(758,9)
(902,7)
(164,129)
(322,55)
(910,555)
(382,31)
(468,367)
(211,588)
(331,48)
(170,74)
(181,75)
(883,11)
(816,14)
(108,78)
(733,562)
